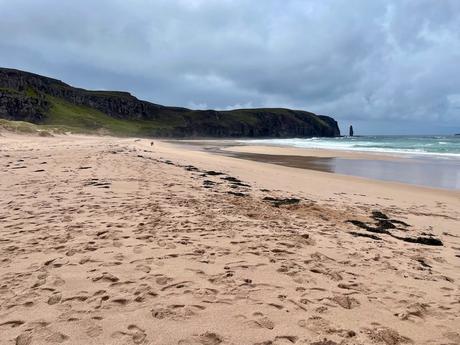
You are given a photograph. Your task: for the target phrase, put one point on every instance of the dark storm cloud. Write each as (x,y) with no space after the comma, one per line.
(366,62)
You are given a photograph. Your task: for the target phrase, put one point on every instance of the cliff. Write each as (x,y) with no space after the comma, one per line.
(30,97)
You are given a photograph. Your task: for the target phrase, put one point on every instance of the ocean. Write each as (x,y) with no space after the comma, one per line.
(429,145)
(431,161)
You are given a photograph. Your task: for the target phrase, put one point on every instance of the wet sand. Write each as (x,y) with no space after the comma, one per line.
(114,241)
(421,170)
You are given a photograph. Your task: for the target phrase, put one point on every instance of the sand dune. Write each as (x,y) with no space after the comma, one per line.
(115,241)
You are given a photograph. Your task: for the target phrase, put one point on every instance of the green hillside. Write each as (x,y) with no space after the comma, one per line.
(49,102)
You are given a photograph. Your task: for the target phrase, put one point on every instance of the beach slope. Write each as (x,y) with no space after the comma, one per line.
(124,241)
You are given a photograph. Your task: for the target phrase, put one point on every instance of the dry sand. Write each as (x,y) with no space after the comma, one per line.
(113,241)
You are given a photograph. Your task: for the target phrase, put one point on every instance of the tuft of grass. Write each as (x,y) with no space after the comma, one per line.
(31,92)
(23,127)
(18,126)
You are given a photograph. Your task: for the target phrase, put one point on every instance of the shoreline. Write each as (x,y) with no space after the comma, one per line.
(415,171)
(283,149)
(276,176)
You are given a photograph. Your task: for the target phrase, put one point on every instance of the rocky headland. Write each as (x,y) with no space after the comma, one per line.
(34,98)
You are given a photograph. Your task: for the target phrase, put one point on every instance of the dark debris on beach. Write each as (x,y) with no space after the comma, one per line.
(383,224)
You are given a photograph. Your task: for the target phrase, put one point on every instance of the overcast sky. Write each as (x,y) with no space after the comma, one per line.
(383,66)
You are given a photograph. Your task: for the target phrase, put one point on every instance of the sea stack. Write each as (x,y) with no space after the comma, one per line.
(351,131)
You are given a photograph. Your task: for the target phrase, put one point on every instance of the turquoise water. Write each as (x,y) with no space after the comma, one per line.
(432,161)
(442,146)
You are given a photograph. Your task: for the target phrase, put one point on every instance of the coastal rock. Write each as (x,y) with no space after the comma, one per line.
(18,106)
(30,97)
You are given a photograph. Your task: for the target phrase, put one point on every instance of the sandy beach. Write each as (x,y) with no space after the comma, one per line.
(425,170)
(118,241)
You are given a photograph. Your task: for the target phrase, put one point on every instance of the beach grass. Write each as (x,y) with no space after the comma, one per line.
(82,119)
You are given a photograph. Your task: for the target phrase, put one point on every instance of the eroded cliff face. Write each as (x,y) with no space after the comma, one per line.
(29,97)
(279,123)
(18,106)
(113,103)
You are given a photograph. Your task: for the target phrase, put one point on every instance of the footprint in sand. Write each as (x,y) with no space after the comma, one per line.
(138,249)
(138,335)
(120,300)
(207,338)
(24,339)
(57,337)
(261,321)
(414,312)
(265,322)
(143,268)
(143,292)
(387,336)
(286,339)
(94,331)
(55,298)
(134,333)
(176,311)
(280,340)
(346,302)
(107,277)
(453,336)
(324,342)
(162,280)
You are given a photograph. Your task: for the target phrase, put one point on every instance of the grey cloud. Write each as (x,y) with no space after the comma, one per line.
(366,62)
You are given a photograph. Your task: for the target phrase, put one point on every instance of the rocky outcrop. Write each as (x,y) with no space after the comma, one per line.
(280,123)
(18,106)
(27,96)
(117,104)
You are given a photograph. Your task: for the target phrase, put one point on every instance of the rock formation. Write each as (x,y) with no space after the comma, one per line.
(30,97)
